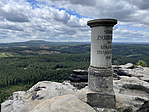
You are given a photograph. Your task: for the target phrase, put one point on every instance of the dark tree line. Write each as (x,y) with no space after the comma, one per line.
(32,69)
(26,69)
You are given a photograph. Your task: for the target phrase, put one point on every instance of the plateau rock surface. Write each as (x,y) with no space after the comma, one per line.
(132,95)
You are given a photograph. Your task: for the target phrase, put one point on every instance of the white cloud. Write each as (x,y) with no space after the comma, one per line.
(83,2)
(60,15)
(65,20)
(15,12)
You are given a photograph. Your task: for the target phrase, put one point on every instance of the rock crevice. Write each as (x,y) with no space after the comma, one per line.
(132,95)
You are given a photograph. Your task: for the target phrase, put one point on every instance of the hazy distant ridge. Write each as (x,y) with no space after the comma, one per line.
(37,43)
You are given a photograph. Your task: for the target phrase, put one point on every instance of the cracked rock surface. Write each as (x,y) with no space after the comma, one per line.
(132,95)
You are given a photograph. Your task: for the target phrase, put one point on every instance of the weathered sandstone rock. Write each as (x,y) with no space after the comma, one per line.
(132,95)
(65,103)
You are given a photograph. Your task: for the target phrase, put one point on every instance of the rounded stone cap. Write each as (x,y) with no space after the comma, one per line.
(102,22)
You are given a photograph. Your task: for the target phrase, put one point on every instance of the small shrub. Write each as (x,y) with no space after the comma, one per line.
(142,63)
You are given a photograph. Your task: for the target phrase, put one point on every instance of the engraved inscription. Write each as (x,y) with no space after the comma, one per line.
(109,42)
(108,57)
(106,46)
(103,48)
(107,31)
(104,37)
(104,52)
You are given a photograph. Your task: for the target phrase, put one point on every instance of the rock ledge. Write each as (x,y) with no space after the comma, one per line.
(132,95)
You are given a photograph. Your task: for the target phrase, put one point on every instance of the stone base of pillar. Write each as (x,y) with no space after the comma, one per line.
(100,83)
(101,100)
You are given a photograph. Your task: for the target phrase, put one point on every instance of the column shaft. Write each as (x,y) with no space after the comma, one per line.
(100,72)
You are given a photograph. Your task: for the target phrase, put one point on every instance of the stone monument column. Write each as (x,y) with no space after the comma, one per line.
(100,72)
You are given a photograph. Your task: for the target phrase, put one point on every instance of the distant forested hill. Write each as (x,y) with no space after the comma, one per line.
(37,43)
(24,64)
(122,52)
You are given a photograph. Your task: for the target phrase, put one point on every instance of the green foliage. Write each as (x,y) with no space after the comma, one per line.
(2,55)
(25,66)
(6,92)
(31,69)
(130,53)
(142,63)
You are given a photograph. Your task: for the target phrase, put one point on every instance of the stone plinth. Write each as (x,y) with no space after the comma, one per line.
(100,72)
(100,79)
(101,100)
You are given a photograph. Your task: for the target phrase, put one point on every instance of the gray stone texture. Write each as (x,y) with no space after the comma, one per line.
(100,73)
(100,80)
(63,97)
(101,100)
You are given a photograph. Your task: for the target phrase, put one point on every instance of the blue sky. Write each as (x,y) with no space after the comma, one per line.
(66,20)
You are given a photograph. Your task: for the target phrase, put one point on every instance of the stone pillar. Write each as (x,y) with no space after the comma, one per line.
(100,72)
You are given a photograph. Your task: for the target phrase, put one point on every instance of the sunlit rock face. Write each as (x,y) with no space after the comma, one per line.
(131,91)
